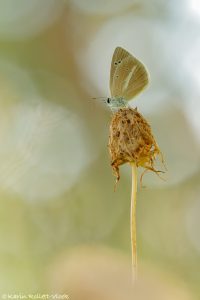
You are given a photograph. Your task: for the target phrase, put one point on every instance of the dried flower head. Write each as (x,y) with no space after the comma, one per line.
(131,140)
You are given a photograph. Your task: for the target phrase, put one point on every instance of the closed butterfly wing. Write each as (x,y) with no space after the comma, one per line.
(118,56)
(128,76)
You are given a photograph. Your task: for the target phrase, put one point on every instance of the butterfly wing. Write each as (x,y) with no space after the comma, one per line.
(128,76)
(118,56)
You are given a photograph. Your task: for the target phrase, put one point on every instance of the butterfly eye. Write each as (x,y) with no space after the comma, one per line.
(108,100)
(116,63)
(119,62)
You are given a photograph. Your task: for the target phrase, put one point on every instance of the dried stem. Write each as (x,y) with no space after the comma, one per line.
(133,221)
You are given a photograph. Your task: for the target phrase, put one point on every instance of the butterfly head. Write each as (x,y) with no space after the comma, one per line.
(116,103)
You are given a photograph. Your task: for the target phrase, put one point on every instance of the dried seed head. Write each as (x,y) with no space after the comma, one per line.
(131,140)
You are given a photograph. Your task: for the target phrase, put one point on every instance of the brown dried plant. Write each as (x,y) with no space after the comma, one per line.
(131,141)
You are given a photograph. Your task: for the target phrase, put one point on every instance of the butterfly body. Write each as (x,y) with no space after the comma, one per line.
(115,103)
(128,77)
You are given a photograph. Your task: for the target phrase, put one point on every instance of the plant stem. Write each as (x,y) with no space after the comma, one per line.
(133,221)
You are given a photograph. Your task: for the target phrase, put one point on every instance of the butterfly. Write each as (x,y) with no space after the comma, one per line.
(128,77)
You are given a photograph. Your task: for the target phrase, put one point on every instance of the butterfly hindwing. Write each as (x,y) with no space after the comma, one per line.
(138,81)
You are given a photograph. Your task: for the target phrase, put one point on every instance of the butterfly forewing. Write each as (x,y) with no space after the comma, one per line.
(128,75)
(122,76)
(119,55)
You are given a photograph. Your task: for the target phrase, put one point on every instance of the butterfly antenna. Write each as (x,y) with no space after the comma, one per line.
(96,98)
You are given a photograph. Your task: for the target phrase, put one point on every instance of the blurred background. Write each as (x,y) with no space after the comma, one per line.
(63,229)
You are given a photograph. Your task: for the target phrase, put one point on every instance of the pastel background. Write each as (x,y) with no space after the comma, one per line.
(62,227)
